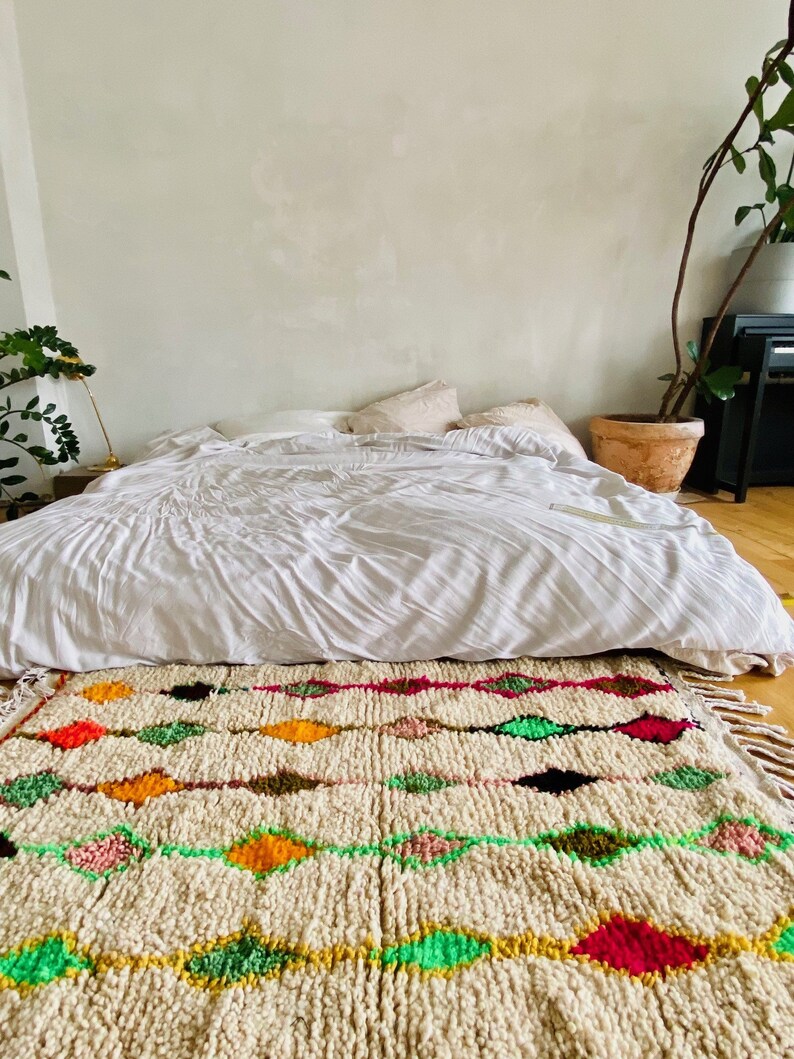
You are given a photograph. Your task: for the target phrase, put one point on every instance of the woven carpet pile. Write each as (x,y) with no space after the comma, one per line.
(439,859)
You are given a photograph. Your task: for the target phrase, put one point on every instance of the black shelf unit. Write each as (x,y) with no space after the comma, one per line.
(749,440)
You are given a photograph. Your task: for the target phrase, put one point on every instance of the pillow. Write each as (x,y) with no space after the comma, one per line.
(431,409)
(282,424)
(531,413)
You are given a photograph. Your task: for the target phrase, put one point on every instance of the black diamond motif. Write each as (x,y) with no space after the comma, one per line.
(555,781)
(189,692)
(7,847)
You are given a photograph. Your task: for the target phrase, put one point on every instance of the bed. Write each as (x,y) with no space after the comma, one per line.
(384,824)
(480,543)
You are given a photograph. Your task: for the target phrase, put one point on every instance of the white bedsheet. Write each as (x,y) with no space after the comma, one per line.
(388,547)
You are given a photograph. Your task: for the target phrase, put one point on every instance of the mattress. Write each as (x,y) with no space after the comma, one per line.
(476,544)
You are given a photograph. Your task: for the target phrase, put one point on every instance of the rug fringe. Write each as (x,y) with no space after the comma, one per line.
(756,708)
(769,744)
(692,675)
(32,687)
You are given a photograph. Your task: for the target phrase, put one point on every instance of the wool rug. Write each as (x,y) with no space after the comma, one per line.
(439,859)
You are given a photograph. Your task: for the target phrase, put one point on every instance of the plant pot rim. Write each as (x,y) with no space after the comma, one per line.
(649,419)
(645,428)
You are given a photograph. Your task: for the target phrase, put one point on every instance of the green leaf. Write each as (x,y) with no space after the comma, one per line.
(12,461)
(31,403)
(785,113)
(786,73)
(738,161)
(666,378)
(773,77)
(741,213)
(710,159)
(13,479)
(721,381)
(4,274)
(768,171)
(693,350)
(758,107)
(776,47)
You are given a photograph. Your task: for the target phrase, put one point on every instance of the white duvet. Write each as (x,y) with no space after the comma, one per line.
(481,543)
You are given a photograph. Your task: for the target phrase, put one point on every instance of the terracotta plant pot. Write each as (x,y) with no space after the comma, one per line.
(654,455)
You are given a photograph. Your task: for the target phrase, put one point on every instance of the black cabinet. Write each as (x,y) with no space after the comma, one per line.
(749,440)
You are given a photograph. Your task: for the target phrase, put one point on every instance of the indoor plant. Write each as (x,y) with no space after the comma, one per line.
(32,348)
(656,450)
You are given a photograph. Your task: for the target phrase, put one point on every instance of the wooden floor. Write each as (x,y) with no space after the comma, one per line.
(762,532)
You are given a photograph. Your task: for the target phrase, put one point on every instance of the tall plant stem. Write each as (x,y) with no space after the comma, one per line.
(707,179)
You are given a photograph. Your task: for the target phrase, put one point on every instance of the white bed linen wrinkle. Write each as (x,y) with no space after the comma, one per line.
(392,547)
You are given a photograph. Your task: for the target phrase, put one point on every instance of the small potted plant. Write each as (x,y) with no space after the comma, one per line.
(656,451)
(769,285)
(32,348)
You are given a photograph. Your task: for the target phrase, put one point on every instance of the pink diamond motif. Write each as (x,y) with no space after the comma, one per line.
(427,847)
(410,728)
(103,854)
(733,836)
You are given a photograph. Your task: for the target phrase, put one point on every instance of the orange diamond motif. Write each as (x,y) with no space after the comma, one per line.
(299,731)
(106,691)
(139,788)
(263,853)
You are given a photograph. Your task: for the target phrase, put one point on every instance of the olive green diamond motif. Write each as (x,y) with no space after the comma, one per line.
(241,958)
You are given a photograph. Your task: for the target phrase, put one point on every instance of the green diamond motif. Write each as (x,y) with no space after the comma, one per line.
(168,734)
(441,950)
(532,728)
(785,943)
(517,684)
(418,783)
(42,962)
(230,963)
(688,778)
(27,790)
(309,690)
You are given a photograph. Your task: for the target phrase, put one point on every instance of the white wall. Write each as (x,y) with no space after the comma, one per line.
(12,314)
(291,203)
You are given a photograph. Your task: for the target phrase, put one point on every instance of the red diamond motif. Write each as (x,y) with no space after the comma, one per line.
(73,735)
(653,729)
(639,948)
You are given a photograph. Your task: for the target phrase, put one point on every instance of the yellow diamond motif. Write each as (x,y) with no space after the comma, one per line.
(139,788)
(106,691)
(299,731)
(262,854)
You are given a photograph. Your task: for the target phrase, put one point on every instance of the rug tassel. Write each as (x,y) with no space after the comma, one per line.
(782,754)
(786,788)
(756,708)
(776,733)
(691,676)
(721,694)
(31,688)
